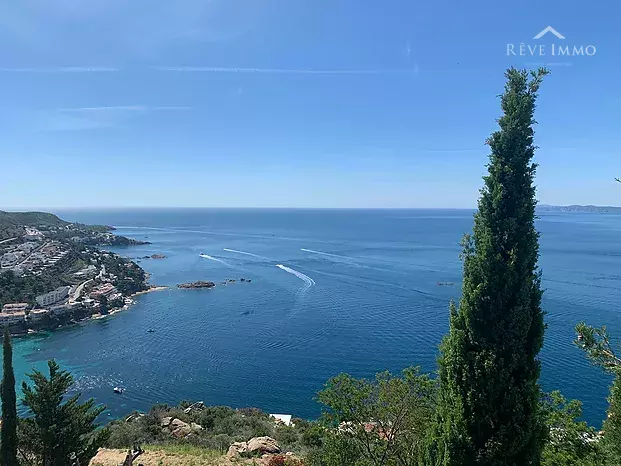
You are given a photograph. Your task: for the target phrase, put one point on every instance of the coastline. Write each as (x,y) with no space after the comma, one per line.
(128,304)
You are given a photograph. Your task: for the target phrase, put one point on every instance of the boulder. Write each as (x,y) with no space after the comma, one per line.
(177,428)
(256,446)
(263,445)
(198,406)
(236,449)
(182,432)
(134,417)
(178,423)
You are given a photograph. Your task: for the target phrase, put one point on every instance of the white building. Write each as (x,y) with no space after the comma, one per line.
(37,314)
(87,272)
(11,318)
(53,297)
(14,307)
(33,234)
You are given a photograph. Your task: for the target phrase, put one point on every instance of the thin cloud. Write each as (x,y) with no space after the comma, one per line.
(123,108)
(408,50)
(214,69)
(130,108)
(452,150)
(63,69)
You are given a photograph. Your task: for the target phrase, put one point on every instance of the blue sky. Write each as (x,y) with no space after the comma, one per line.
(300,103)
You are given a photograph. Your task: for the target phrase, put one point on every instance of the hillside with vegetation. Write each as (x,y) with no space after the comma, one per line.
(42,253)
(17,220)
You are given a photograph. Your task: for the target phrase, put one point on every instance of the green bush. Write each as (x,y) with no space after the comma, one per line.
(222,426)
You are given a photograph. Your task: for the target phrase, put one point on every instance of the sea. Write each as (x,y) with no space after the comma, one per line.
(325,292)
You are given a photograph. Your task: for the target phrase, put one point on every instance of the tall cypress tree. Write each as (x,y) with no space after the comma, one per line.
(8,436)
(488,368)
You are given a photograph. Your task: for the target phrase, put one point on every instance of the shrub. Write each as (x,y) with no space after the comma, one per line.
(281,460)
(277,461)
(313,436)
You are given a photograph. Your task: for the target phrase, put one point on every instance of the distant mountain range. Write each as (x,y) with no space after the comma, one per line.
(578,208)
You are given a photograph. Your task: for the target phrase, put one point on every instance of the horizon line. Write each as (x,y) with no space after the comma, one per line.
(49,208)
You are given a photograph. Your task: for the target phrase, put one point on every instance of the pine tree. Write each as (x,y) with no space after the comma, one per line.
(596,343)
(8,437)
(57,433)
(612,424)
(488,369)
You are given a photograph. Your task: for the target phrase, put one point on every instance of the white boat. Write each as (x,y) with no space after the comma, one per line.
(118,390)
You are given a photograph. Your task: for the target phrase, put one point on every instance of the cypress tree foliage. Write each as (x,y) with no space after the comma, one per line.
(488,369)
(57,433)
(8,435)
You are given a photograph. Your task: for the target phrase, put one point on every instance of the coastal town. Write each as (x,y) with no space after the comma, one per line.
(52,272)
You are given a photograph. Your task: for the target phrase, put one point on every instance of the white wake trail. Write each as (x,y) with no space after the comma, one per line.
(206,256)
(325,253)
(308,280)
(244,253)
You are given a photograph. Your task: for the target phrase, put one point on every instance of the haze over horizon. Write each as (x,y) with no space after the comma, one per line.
(272,103)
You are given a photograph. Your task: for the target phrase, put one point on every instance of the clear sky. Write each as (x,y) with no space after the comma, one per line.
(300,103)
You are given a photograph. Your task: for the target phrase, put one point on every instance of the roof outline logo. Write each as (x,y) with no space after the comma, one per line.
(549,29)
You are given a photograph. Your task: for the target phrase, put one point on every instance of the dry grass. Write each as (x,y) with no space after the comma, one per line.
(172,455)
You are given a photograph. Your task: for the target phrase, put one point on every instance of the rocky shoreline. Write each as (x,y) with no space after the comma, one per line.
(200,284)
(196,285)
(97,316)
(127,305)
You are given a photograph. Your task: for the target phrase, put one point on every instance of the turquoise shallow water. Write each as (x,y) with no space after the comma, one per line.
(357,292)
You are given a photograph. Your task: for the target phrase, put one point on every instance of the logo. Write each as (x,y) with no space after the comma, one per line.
(549,29)
(548,45)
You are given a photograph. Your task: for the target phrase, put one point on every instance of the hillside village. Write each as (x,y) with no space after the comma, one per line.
(52,272)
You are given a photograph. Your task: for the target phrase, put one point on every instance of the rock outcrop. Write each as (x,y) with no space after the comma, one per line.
(177,428)
(197,285)
(198,406)
(256,446)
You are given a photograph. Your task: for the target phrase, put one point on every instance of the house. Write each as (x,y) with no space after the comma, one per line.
(87,272)
(12,318)
(14,307)
(53,297)
(105,289)
(37,314)
(33,234)
(282,419)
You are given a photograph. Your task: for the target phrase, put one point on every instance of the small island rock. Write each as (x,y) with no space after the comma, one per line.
(196,285)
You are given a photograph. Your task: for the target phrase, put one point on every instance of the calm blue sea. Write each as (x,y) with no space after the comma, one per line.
(356,291)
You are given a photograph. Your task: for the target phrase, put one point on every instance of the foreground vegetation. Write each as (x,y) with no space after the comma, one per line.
(484,409)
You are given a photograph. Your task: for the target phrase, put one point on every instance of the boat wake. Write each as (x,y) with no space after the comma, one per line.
(305,278)
(244,253)
(206,256)
(326,254)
